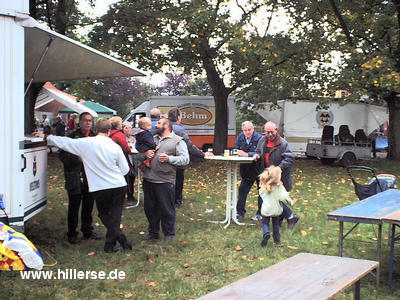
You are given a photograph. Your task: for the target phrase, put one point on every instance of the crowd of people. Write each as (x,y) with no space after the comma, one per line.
(99,167)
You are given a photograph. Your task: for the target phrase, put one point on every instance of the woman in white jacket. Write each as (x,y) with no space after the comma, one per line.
(272,193)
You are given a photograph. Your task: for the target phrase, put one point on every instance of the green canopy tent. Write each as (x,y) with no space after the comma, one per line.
(101,110)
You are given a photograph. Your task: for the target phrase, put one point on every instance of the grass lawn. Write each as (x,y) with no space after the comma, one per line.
(204,256)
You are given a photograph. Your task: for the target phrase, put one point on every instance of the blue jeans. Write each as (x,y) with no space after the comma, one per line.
(286,211)
(275,227)
(244,189)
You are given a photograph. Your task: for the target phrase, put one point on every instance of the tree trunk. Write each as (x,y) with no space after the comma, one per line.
(60,25)
(220,93)
(394,128)
(221,122)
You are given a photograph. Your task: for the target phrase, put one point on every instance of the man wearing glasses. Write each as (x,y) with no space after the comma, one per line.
(273,150)
(77,186)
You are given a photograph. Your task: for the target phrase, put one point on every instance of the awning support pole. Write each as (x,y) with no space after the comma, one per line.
(38,66)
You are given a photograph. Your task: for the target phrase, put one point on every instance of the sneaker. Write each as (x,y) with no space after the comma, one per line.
(152,236)
(146,162)
(292,221)
(125,245)
(168,239)
(91,236)
(278,243)
(110,248)
(257,218)
(266,237)
(239,216)
(74,240)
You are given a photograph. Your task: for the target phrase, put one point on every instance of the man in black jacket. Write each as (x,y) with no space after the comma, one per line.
(196,155)
(77,186)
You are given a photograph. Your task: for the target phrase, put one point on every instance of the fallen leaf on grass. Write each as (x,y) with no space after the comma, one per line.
(128,295)
(244,257)
(374,239)
(293,247)
(324,243)
(238,248)
(141,233)
(150,260)
(186,265)
(261,258)
(184,242)
(303,232)
(152,283)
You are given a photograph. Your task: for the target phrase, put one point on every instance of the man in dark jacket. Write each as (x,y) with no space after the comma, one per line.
(196,155)
(246,143)
(273,150)
(77,186)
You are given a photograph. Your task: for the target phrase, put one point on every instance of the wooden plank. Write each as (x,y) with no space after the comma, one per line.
(303,276)
(375,207)
(393,218)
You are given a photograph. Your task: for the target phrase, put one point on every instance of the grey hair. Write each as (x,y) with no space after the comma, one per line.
(247,123)
(126,123)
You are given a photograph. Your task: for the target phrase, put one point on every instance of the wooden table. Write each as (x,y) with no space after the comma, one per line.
(303,276)
(232,163)
(394,220)
(371,210)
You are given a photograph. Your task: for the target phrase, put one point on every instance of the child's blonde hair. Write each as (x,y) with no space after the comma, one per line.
(144,121)
(270,178)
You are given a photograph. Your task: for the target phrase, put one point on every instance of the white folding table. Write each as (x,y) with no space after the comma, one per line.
(232,164)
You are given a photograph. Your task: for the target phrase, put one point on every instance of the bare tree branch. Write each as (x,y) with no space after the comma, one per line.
(342,23)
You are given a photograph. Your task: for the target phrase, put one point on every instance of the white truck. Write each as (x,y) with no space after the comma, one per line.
(198,116)
(300,122)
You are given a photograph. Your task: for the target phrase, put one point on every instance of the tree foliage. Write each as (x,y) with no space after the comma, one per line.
(200,37)
(366,37)
(121,93)
(174,85)
(62,16)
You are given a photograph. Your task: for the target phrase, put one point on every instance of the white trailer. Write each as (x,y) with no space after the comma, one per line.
(300,121)
(198,116)
(31,53)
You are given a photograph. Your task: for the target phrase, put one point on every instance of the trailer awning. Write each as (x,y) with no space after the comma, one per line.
(66,59)
(52,99)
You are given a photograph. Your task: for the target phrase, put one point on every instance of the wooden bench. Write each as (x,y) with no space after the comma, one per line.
(303,276)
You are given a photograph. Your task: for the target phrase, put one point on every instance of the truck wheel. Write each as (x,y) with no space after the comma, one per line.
(327,161)
(348,159)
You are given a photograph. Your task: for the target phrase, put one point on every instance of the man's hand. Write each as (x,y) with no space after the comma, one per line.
(208,154)
(149,154)
(242,153)
(163,157)
(38,134)
(256,156)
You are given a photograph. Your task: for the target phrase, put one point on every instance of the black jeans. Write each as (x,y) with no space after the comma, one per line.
(244,189)
(180,177)
(110,205)
(159,200)
(87,200)
(130,181)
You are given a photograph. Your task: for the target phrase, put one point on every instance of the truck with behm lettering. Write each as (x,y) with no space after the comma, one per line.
(198,116)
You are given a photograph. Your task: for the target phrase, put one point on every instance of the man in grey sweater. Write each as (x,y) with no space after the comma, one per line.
(159,180)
